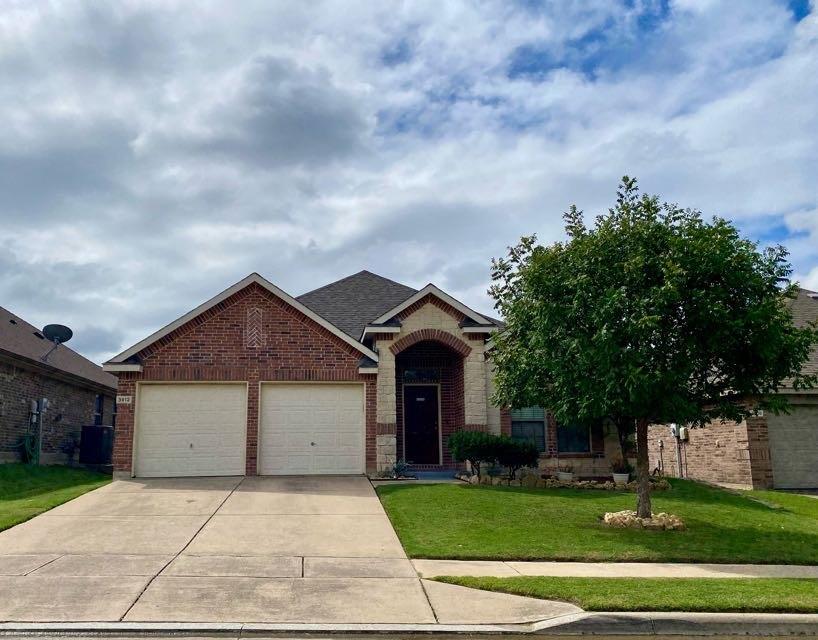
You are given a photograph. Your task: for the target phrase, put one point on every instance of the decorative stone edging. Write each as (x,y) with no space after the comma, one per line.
(533,481)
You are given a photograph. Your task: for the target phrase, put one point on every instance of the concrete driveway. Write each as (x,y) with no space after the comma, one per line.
(288,549)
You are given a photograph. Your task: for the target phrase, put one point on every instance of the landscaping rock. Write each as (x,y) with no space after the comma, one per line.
(530,481)
(658,521)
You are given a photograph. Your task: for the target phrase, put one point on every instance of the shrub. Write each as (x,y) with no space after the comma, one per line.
(474,447)
(621,465)
(514,455)
(479,448)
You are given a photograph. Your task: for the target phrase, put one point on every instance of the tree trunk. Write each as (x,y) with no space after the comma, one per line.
(643,507)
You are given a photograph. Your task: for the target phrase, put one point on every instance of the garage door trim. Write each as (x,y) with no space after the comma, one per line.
(270,383)
(152,383)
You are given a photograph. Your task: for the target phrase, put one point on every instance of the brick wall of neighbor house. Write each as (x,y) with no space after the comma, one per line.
(728,453)
(215,346)
(70,407)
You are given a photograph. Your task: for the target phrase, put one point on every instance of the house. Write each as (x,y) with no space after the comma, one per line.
(348,378)
(79,392)
(764,451)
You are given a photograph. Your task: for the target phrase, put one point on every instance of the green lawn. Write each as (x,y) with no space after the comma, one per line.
(478,522)
(661,594)
(26,491)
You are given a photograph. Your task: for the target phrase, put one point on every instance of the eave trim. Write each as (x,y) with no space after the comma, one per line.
(431,289)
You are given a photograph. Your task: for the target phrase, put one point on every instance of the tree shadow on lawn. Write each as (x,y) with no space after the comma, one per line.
(722,527)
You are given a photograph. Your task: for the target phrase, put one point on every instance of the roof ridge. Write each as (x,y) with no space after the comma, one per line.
(352,275)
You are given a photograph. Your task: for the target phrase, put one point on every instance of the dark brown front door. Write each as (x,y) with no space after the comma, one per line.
(420,424)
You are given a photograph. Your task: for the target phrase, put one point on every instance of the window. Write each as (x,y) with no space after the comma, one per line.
(528,425)
(573,439)
(421,375)
(98,404)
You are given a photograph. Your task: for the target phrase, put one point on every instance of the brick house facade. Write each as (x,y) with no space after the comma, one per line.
(215,346)
(78,391)
(396,343)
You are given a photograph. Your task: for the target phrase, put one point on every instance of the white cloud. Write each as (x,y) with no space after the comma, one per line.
(154,153)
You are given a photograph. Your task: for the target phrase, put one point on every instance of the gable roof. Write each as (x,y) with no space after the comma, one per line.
(431,289)
(804,309)
(118,362)
(355,301)
(23,340)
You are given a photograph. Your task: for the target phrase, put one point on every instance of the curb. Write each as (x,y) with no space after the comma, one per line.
(599,624)
(682,623)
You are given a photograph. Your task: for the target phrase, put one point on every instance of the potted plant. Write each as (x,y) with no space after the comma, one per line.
(565,473)
(621,469)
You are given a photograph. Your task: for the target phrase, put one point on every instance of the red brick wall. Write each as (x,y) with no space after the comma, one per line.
(432,355)
(728,453)
(214,346)
(70,407)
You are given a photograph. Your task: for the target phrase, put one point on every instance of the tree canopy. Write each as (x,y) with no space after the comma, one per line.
(651,314)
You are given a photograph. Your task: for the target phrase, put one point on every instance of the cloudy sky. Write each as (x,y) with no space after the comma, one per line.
(154,153)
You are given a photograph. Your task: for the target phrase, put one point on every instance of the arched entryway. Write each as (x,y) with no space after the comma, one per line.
(430,402)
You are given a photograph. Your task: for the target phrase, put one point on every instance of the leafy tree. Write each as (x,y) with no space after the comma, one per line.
(651,315)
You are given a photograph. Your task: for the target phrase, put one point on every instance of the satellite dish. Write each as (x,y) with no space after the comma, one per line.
(57,333)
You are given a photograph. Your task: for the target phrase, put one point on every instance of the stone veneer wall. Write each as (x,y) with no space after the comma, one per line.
(436,320)
(730,453)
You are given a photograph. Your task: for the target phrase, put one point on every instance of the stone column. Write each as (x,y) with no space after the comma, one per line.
(386,438)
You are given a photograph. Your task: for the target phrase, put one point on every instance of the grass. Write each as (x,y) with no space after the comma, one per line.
(746,595)
(512,523)
(26,491)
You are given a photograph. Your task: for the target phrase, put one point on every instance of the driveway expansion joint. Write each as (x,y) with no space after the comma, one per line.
(178,553)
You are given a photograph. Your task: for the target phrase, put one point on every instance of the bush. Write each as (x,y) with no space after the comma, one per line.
(479,448)
(514,455)
(621,465)
(474,447)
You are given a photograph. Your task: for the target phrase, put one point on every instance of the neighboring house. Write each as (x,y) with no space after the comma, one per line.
(767,451)
(348,378)
(79,392)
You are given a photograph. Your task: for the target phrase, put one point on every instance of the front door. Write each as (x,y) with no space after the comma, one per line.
(421,424)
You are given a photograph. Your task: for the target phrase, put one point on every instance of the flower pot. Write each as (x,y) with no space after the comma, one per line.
(621,478)
(565,476)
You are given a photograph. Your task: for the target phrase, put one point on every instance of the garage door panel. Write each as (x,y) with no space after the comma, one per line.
(794,447)
(294,416)
(191,429)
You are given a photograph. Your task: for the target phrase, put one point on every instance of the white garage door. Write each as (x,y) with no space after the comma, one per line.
(191,430)
(311,429)
(794,448)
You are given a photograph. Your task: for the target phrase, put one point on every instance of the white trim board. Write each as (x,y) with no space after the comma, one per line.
(120,368)
(438,293)
(266,284)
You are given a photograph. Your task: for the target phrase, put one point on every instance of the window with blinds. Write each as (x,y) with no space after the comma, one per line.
(528,425)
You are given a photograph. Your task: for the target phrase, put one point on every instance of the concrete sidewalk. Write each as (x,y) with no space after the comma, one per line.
(500,569)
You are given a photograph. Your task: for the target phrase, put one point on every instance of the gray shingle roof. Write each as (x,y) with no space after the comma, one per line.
(805,310)
(352,302)
(19,338)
